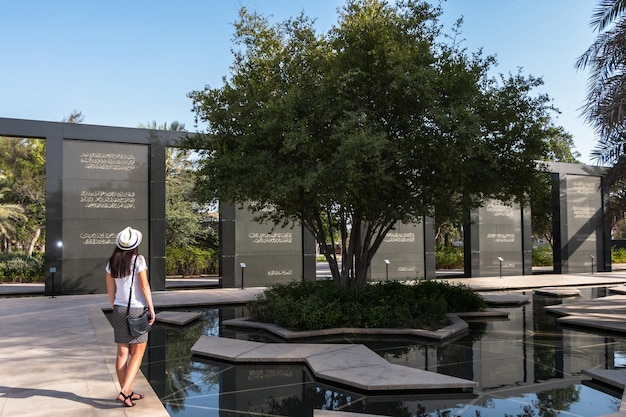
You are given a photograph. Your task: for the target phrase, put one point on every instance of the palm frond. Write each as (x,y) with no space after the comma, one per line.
(606,12)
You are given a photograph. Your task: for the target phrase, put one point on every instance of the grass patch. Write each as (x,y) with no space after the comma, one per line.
(307,305)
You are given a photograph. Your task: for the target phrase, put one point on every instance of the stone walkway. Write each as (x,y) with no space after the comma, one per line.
(351,365)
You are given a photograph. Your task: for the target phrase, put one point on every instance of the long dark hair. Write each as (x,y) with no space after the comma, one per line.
(120,262)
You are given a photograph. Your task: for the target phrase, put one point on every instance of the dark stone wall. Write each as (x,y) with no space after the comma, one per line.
(99,179)
(271,254)
(406,249)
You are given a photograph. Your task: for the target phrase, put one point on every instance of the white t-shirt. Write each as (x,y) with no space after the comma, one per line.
(122,285)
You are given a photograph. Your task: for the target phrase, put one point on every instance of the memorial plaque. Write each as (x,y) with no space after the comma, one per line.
(105,188)
(499,232)
(271,254)
(584,215)
(101,161)
(404,249)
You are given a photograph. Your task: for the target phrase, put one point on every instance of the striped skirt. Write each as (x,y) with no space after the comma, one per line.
(120,325)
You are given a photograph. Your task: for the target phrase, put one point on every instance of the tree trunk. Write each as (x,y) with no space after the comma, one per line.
(33,242)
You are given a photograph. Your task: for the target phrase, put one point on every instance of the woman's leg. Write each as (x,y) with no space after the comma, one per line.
(121,363)
(121,368)
(136,356)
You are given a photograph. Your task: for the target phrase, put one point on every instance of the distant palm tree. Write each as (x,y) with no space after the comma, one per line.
(605,109)
(10,216)
(175,126)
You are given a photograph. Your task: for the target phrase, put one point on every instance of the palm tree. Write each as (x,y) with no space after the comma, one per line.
(10,216)
(605,109)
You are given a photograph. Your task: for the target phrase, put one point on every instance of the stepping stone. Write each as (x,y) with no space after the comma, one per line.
(457,327)
(351,365)
(558,291)
(610,322)
(331,413)
(505,298)
(618,290)
(179,318)
(613,377)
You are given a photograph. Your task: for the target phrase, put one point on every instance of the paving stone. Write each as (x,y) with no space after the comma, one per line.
(558,291)
(614,323)
(613,377)
(179,318)
(505,298)
(618,290)
(457,327)
(348,364)
(331,413)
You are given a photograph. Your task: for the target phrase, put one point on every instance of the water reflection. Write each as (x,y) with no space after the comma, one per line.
(527,365)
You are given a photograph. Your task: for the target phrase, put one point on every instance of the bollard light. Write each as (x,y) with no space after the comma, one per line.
(500,260)
(52,272)
(387,269)
(243,268)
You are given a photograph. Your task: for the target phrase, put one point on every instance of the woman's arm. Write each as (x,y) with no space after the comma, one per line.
(147,294)
(111,288)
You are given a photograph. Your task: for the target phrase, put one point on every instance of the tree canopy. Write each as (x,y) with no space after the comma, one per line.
(22,169)
(375,122)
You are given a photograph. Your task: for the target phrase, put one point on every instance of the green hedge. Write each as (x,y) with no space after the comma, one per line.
(190,261)
(19,267)
(618,255)
(391,304)
(449,257)
(542,256)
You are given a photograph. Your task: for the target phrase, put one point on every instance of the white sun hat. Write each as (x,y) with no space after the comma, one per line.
(128,239)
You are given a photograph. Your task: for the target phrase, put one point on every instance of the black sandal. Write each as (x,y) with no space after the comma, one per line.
(139,396)
(127,398)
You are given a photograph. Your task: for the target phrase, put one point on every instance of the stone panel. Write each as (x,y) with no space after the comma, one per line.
(404,248)
(583,215)
(497,236)
(105,188)
(271,254)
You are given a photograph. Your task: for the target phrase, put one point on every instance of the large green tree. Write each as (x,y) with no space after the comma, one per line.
(373,123)
(186,221)
(22,163)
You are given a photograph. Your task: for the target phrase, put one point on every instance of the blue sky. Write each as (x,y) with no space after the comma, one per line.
(124,63)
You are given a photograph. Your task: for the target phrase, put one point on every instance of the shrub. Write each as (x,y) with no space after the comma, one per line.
(449,257)
(190,261)
(618,255)
(458,297)
(17,267)
(391,304)
(542,255)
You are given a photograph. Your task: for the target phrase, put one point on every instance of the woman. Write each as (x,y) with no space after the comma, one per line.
(121,266)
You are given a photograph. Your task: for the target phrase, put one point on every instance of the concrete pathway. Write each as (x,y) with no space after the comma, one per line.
(57,355)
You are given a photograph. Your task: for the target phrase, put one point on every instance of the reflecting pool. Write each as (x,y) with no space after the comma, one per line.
(526,365)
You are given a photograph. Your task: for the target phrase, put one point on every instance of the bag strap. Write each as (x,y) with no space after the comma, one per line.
(132,280)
